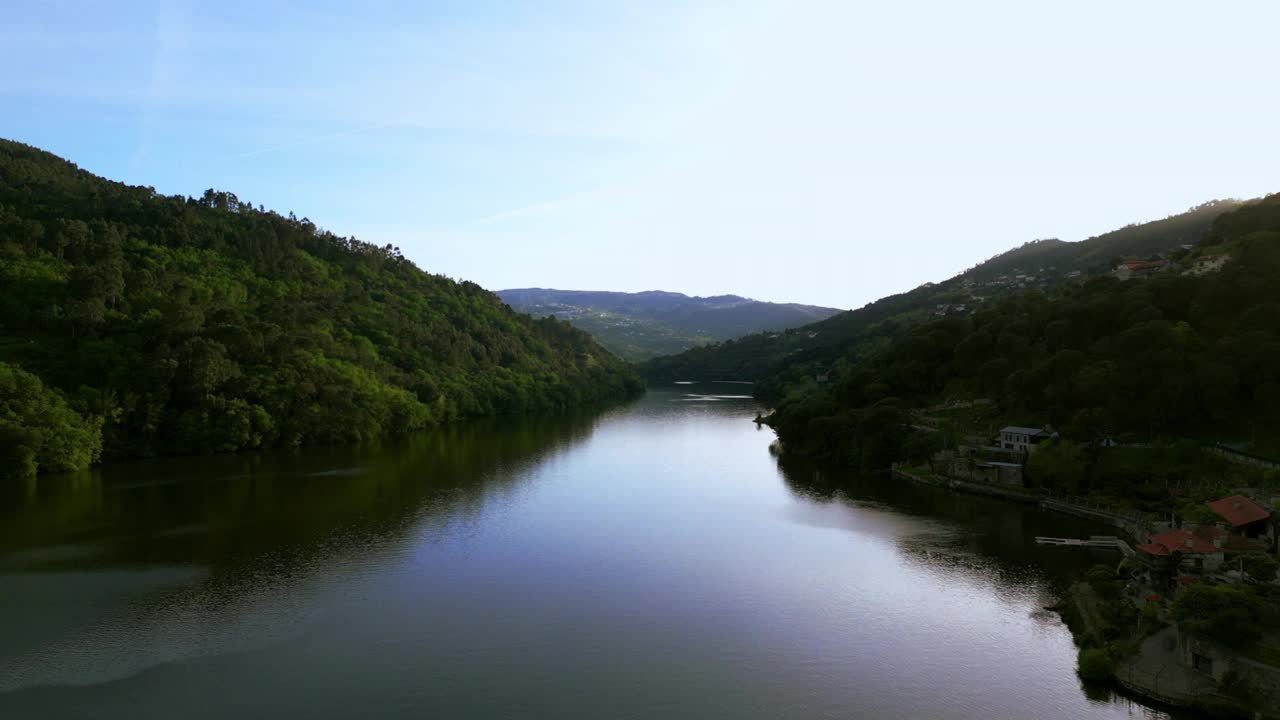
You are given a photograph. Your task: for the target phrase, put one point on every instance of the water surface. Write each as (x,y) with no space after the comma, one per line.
(652,561)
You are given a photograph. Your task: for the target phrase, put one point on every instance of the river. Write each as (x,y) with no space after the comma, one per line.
(652,561)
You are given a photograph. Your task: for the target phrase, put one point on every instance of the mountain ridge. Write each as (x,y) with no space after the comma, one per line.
(640,325)
(1038,264)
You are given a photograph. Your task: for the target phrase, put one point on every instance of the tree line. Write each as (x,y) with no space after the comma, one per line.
(137,324)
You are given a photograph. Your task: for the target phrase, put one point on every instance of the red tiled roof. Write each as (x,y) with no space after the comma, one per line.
(1238,510)
(1187,580)
(1154,549)
(1197,540)
(1152,598)
(1210,258)
(1143,264)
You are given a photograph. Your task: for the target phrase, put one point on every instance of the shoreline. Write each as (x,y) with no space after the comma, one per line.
(1121,522)
(1128,676)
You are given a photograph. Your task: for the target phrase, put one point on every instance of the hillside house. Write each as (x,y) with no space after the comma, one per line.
(1201,548)
(1139,269)
(1245,518)
(1206,264)
(1022,439)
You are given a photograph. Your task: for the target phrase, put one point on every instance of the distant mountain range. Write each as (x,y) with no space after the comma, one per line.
(775,360)
(643,325)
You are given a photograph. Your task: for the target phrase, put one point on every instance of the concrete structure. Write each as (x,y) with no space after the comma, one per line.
(998,473)
(1216,661)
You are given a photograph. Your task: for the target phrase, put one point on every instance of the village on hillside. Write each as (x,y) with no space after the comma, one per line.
(1178,617)
(1186,260)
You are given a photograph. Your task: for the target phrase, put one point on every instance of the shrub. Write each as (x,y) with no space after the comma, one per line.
(1095,665)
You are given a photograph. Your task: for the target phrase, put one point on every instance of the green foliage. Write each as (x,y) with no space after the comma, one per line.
(1262,568)
(38,431)
(1061,465)
(1095,665)
(867,438)
(919,447)
(206,325)
(1140,362)
(1229,613)
(1272,478)
(1198,513)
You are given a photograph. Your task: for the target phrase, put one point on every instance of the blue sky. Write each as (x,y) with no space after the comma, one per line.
(817,151)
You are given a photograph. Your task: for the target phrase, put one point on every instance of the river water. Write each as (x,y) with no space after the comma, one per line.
(653,561)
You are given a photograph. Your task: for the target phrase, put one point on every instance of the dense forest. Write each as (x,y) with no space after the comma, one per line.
(136,324)
(776,361)
(644,325)
(1174,356)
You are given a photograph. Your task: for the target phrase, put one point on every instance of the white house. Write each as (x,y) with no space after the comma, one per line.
(1022,439)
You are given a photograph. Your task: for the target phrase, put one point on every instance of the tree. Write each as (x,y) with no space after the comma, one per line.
(38,431)
(1227,613)
(1095,665)
(1260,567)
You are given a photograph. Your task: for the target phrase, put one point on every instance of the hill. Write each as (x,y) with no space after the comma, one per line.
(638,326)
(1098,254)
(137,324)
(775,360)
(1178,356)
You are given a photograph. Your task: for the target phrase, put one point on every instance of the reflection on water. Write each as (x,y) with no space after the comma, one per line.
(654,560)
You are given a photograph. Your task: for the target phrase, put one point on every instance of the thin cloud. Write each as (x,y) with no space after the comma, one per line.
(311,141)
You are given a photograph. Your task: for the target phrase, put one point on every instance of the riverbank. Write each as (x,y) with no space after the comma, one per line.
(1132,525)
(1156,666)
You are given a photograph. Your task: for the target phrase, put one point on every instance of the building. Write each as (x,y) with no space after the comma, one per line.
(999,473)
(1201,548)
(1139,269)
(1022,439)
(1206,264)
(1246,518)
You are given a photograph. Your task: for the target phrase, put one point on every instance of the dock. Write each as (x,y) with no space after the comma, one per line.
(1098,541)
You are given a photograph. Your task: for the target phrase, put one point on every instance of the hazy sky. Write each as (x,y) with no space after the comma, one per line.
(827,152)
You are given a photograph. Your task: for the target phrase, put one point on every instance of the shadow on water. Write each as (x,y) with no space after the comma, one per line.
(201,555)
(217,511)
(999,530)
(978,536)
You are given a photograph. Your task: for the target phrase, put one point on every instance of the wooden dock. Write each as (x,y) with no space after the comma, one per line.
(1098,541)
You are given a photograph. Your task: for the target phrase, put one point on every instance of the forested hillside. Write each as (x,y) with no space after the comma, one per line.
(1177,356)
(639,326)
(1098,255)
(136,324)
(804,352)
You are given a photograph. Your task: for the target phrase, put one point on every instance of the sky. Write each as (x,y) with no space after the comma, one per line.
(819,151)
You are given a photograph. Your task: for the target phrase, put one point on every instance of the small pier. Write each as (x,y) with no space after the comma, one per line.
(1098,541)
